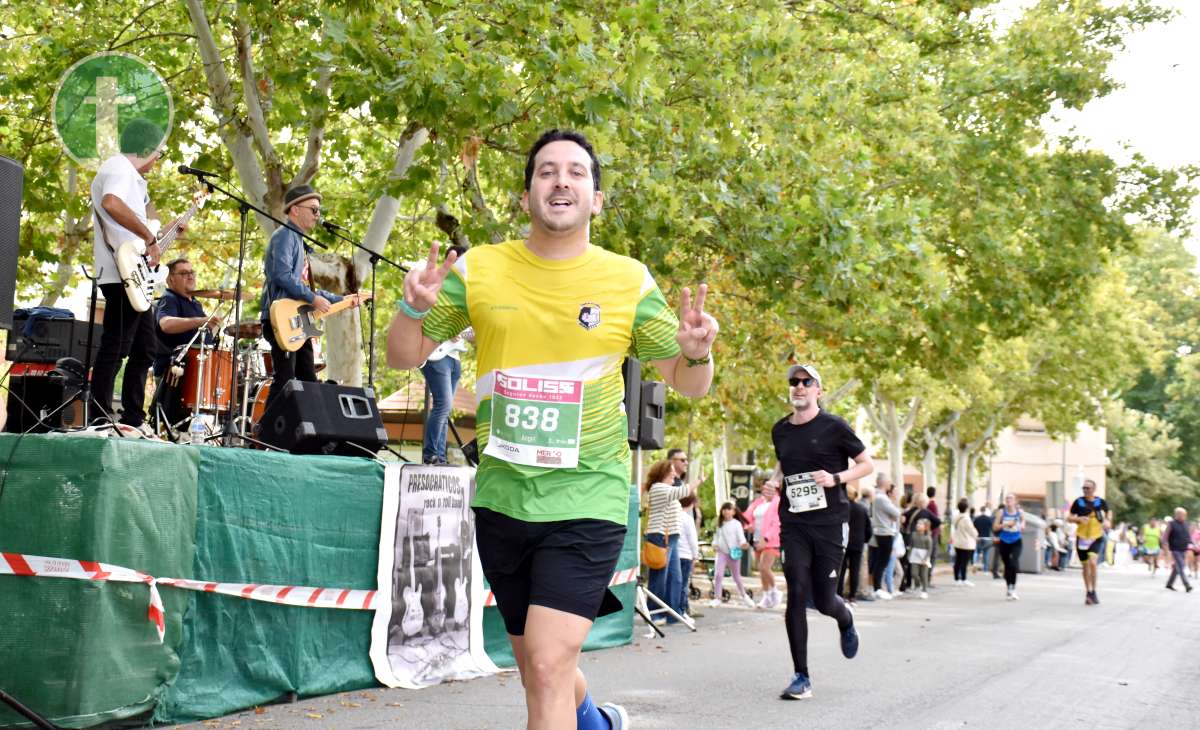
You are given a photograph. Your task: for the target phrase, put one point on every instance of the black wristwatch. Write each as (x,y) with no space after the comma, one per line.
(837,479)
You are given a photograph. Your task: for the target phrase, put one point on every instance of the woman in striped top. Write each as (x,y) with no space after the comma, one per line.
(662,528)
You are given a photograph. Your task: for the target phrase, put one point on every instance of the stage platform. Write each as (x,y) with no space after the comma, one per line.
(83,652)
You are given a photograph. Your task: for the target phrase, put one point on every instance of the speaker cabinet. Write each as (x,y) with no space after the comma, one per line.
(36,404)
(323,418)
(631,371)
(12,179)
(652,429)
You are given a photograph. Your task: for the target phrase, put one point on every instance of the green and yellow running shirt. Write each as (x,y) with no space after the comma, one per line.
(573,319)
(1152,538)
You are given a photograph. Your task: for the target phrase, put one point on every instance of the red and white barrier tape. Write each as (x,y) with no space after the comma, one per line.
(354,599)
(621,576)
(38,566)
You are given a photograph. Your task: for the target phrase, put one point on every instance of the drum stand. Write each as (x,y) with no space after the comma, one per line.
(245,354)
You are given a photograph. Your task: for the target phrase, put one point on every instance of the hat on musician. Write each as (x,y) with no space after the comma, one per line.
(299,194)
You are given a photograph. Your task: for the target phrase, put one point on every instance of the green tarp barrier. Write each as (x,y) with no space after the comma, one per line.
(83,653)
(284,520)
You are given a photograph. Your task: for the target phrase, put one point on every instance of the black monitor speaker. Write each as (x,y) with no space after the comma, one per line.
(12,178)
(631,371)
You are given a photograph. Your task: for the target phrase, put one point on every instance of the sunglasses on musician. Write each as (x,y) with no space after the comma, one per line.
(806,382)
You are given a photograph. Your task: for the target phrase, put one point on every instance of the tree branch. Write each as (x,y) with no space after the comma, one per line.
(387,207)
(847,388)
(255,116)
(318,113)
(140,38)
(224,101)
(475,195)
(129,25)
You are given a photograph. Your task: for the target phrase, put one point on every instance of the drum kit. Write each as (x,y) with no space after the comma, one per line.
(204,373)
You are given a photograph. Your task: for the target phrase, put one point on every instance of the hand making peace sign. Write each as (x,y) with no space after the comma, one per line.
(697,328)
(421,286)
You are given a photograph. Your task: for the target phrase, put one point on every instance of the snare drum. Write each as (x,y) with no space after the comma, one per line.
(211,379)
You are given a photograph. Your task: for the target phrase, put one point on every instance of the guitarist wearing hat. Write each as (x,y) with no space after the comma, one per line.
(121,211)
(288,277)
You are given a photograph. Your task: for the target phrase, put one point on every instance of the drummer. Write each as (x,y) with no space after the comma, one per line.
(179,316)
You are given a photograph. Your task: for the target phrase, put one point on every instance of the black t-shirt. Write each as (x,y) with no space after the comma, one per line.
(860,526)
(983,524)
(174,305)
(826,443)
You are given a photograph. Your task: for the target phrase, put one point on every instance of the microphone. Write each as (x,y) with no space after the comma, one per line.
(185,170)
(331,226)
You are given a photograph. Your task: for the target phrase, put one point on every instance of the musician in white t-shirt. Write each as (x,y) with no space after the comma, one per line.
(122,211)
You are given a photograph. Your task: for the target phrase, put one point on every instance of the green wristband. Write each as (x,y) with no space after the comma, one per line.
(413,313)
(697,362)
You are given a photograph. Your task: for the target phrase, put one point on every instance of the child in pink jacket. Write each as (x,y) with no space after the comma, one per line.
(762,517)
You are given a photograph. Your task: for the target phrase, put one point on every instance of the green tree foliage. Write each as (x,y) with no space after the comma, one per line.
(865,184)
(1163,278)
(1142,481)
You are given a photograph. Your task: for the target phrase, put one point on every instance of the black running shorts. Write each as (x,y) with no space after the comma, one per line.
(565,565)
(1095,548)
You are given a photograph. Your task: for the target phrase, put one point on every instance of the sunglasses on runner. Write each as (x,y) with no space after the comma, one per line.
(806,382)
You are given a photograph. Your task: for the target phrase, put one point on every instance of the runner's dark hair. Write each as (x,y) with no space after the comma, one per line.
(559,135)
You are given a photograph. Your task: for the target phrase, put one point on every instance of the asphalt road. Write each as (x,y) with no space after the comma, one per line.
(963,658)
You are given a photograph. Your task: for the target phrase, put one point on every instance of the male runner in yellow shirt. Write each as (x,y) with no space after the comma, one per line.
(554,317)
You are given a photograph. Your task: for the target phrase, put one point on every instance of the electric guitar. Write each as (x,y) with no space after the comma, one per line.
(461,608)
(295,320)
(438,619)
(142,280)
(414,616)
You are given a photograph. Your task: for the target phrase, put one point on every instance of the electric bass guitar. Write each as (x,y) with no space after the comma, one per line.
(461,607)
(438,619)
(414,615)
(140,278)
(295,320)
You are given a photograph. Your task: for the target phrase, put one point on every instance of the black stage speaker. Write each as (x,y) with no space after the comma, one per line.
(50,339)
(631,371)
(31,400)
(12,177)
(651,433)
(323,418)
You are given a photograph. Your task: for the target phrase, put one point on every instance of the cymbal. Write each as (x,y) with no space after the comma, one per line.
(248,330)
(222,294)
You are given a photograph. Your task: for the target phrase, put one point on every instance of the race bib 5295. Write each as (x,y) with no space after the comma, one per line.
(803,494)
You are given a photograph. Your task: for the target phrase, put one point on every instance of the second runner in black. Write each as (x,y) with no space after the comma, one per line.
(815,450)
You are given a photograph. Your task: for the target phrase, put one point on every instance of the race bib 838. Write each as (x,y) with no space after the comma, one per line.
(536,421)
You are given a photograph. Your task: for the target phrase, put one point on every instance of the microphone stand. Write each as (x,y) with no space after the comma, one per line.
(229,430)
(334,230)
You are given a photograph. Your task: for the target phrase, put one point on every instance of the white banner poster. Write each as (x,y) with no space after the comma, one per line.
(428,623)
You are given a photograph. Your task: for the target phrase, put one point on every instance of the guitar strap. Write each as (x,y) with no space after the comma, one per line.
(104,231)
